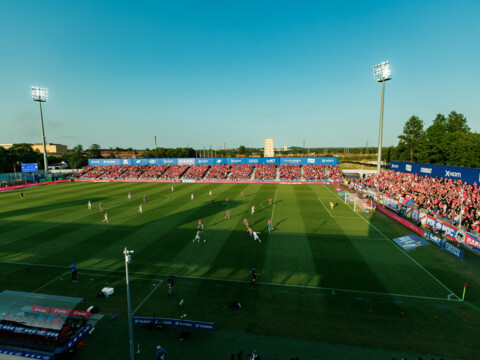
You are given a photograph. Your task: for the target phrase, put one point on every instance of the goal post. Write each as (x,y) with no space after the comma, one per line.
(360,205)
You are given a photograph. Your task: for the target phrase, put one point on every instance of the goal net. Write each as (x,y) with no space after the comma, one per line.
(361,205)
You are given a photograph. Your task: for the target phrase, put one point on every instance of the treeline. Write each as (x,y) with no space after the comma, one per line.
(447,141)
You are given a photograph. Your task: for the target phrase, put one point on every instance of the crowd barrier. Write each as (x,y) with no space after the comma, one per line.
(469,175)
(218,161)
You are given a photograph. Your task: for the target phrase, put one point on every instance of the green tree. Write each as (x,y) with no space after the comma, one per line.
(242,150)
(76,158)
(412,134)
(95,151)
(457,122)
(432,149)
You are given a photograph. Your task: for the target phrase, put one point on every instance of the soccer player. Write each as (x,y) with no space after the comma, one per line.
(129,196)
(172,188)
(210,193)
(21,195)
(245,222)
(255,236)
(270,226)
(226,202)
(191,197)
(197,237)
(213,202)
(144,198)
(73,269)
(105,218)
(253,209)
(227,216)
(250,231)
(241,194)
(200,225)
(171,282)
(331,205)
(100,206)
(270,201)
(89,205)
(254,276)
(140,209)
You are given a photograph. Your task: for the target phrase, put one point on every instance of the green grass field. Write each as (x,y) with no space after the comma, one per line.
(332,283)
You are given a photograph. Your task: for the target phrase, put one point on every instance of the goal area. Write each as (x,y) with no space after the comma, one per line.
(360,205)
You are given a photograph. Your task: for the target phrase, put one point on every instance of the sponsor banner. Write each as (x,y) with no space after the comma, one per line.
(472,241)
(309,161)
(220,161)
(7,188)
(211,161)
(139,161)
(453,250)
(30,167)
(410,242)
(449,230)
(408,212)
(400,220)
(186,161)
(177,323)
(415,215)
(188,181)
(469,175)
(29,354)
(392,204)
(73,341)
(29,331)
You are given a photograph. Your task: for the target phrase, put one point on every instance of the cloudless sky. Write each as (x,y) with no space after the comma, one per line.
(205,73)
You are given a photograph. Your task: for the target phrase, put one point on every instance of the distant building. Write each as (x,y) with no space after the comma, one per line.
(268,148)
(52,149)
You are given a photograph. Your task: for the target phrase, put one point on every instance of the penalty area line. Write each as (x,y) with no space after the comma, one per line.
(405,253)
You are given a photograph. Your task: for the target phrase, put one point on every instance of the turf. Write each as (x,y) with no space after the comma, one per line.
(331,281)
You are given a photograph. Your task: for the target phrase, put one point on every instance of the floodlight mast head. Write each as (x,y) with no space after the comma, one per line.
(39,94)
(381,72)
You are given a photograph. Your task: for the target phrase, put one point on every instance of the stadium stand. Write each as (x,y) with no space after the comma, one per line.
(290,173)
(218,172)
(196,172)
(174,172)
(265,172)
(241,172)
(113,172)
(441,198)
(133,172)
(153,172)
(315,172)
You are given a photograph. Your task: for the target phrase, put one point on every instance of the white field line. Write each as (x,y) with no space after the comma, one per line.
(51,281)
(321,202)
(274,202)
(404,252)
(245,282)
(146,297)
(350,237)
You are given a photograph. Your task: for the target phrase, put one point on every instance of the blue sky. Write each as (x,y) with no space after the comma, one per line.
(205,73)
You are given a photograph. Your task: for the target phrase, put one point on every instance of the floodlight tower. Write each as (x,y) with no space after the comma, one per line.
(41,95)
(381,73)
(128,258)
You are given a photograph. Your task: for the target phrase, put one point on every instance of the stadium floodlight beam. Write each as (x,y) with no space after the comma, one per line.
(381,73)
(130,325)
(41,95)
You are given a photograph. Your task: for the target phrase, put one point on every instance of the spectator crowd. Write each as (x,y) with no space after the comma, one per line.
(444,198)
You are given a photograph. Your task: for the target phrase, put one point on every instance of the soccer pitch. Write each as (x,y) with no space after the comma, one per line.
(324,275)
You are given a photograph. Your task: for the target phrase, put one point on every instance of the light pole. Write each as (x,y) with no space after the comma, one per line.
(41,95)
(130,325)
(381,73)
